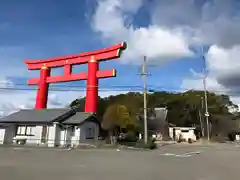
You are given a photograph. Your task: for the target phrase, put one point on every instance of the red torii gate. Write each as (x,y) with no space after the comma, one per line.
(92,58)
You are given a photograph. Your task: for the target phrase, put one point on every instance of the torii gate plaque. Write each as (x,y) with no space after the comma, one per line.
(91,58)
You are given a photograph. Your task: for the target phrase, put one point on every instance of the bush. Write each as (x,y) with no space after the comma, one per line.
(130,141)
(231,136)
(151,144)
(130,137)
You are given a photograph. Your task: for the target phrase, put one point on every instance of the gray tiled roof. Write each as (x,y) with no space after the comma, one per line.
(78,118)
(4,125)
(35,116)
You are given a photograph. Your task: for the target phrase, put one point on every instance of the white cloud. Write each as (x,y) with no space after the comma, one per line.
(210,21)
(212,85)
(197,84)
(224,60)
(213,22)
(111,20)
(155,42)
(5,83)
(173,27)
(224,75)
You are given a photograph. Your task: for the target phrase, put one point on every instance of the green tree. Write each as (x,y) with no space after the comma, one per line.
(75,103)
(183,108)
(117,116)
(78,104)
(117,119)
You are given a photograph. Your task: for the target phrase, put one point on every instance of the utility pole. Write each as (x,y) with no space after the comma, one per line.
(202,109)
(205,95)
(144,76)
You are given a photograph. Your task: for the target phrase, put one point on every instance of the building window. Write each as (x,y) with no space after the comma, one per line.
(184,131)
(24,131)
(90,133)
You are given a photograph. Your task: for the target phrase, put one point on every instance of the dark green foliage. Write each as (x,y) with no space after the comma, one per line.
(75,103)
(183,108)
(130,137)
(151,144)
(140,144)
(231,136)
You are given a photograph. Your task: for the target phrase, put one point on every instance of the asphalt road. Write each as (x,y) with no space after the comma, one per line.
(216,162)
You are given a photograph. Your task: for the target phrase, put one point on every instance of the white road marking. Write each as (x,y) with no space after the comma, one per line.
(183,155)
(193,152)
(40,149)
(168,154)
(19,148)
(188,154)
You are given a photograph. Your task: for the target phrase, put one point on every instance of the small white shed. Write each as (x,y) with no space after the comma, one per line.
(185,133)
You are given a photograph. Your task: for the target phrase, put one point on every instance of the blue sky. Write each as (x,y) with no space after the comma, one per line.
(163,30)
(48,28)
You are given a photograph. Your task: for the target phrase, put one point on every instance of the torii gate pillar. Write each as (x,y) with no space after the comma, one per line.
(92,87)
(92,76)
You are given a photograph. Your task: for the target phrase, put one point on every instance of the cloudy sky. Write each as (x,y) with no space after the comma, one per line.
(169,32)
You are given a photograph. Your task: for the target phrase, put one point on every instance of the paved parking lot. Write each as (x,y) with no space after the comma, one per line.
(217,162)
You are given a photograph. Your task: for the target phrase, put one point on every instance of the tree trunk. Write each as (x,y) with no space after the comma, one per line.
(111,135)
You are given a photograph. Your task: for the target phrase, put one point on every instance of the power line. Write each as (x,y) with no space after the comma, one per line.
(53,85)
(122,88)
(151,87)
(34,89)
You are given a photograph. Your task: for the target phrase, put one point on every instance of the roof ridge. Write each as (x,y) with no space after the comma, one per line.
(45,109)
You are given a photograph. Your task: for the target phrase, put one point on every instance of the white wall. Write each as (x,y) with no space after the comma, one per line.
(36,133)
(189,135)
(63,134)
(180,130)
(2,135)
(32,134)
(54,135)
(88,131)
(68,135)
(171,132)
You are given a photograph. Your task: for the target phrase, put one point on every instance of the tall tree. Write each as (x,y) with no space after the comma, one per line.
(117,116)
(75,103)
(183,108)
(117,119)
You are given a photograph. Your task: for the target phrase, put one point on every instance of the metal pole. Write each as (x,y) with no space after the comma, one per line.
(144,75)
(203,128)
(205,97)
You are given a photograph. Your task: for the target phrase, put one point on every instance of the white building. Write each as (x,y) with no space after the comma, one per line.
(49,127)
(185,133)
